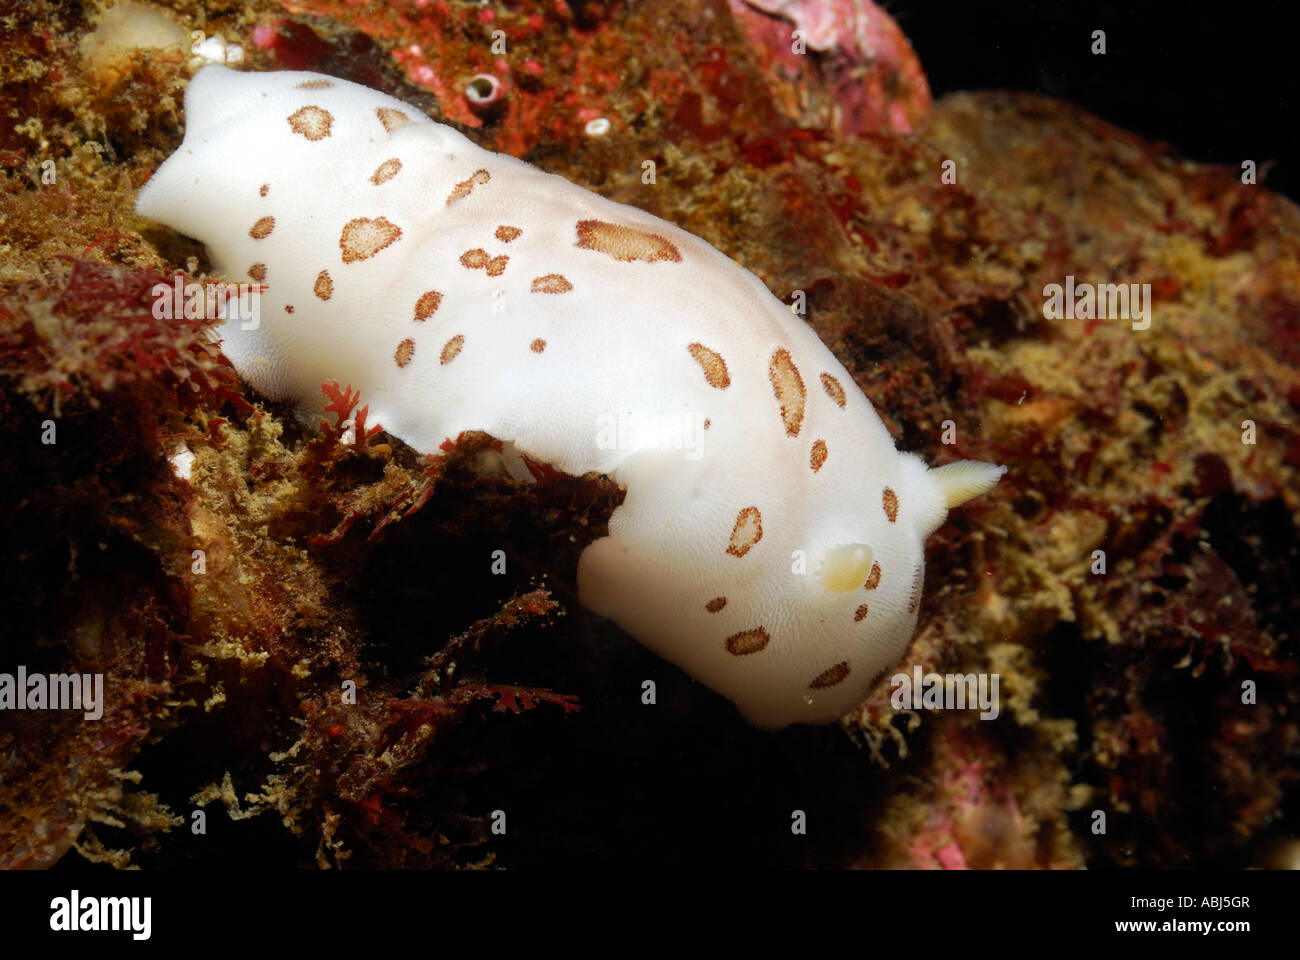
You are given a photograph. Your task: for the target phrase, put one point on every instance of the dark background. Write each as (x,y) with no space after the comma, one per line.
(1216,81)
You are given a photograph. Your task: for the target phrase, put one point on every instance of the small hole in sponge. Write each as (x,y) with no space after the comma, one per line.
(482,89)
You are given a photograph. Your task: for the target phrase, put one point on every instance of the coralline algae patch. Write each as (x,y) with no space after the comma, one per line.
(872,77)
(556,69)
(551,70)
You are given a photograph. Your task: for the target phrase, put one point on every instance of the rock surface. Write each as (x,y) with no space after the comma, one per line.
(325,563)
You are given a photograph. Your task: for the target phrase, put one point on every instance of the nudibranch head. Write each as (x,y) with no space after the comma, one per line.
(772,540)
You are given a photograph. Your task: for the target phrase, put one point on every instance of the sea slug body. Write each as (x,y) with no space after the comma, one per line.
(465,290)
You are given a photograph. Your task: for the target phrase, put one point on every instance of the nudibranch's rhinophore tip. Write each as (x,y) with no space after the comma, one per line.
(772,539)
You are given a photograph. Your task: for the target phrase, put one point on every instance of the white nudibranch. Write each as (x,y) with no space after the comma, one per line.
(466,290)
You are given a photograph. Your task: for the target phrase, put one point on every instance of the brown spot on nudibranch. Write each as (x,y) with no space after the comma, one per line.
(914,598)
(551,283)
(715,368)
(261,191)
(427,304)
(466,187)
(538,345)
(314,84)
(324,286)
(362,237)
(889,500)
(405,351)
(873,578)
(716,604)
(747,642)
(625,243)
(747,532)
(451,348)
(390,118)
(311,122)
(788,386)
(506,234)
(262,229)
(386,171)
(831,676)
(833,389)
(288,308)
(860,614)
(478,258)
(258,272)
(818,455)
